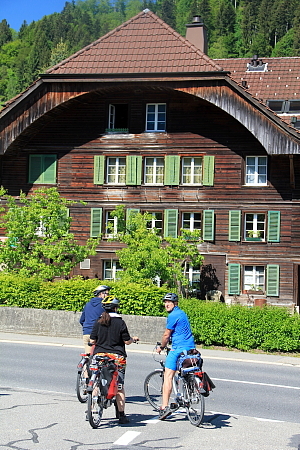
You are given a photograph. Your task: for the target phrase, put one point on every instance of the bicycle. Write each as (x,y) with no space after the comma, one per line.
(83,375)
(100,393)
(188,390)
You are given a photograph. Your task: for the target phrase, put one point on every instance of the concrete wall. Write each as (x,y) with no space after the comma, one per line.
(66,323)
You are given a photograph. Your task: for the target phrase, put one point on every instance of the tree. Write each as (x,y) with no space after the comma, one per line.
(5,33)
(39,241)
(148,257)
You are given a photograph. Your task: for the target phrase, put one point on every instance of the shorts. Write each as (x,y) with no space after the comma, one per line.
(171,361)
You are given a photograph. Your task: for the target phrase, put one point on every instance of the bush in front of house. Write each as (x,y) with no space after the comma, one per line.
(270,328)
(235,326)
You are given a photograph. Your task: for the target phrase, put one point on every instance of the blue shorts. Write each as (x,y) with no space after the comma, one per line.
(171,360)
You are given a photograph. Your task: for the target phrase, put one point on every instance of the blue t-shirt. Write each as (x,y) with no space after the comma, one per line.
(182,337)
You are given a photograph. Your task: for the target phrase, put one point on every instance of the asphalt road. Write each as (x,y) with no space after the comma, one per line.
(255,406)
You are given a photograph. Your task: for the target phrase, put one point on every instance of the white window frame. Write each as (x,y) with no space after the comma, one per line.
(152,223)
(193,221)
(156,118)
(254,174)
(155,171)
(191,273)
(255,229)
(119,173)
(114,269)
(114,221)
(111,116)
(192,175)
(254,277)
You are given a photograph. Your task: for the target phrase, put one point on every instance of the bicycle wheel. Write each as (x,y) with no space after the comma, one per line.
(95,405)
(81,385)
(194,401)
(153,388)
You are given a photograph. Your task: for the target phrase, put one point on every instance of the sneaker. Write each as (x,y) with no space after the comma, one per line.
(123,419)
(164,413)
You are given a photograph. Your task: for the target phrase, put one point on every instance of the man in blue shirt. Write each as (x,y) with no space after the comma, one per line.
(91,312)
(178,328)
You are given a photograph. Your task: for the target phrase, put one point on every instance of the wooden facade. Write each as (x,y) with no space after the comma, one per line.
(210,121)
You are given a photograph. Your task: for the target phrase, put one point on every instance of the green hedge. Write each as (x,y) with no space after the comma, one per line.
(268,329)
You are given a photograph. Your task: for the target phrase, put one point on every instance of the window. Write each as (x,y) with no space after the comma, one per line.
(256,170)
(276,105)
(192,171)
(118,118)
(265,278)
(85,264)
(42,169)
(111,225)
(191,221)
(156,117)
(111,269)
(156,222)
(154,170)
(255,226)
(193,275)
(293,106)
(116,170)
(254,278)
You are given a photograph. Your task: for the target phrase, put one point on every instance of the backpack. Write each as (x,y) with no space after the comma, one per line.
(189,360)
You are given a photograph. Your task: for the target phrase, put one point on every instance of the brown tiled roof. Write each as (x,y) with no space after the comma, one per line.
(281,81)
(143,44)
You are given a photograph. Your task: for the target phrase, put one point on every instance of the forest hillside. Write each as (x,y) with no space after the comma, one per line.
(236,28)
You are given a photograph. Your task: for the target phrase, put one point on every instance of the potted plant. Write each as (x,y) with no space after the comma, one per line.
(253,235)
(254,289)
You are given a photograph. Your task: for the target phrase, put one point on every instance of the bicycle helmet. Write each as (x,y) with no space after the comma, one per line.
(170,297)
(101,288)
(110,303)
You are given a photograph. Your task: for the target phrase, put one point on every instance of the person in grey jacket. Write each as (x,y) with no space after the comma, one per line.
(91,312)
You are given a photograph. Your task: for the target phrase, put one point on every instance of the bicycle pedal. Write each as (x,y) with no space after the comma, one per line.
(174,406)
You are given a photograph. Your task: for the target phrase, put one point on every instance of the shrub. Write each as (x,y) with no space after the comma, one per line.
(268,329)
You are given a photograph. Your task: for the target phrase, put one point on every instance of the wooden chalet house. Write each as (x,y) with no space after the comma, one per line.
(142,117)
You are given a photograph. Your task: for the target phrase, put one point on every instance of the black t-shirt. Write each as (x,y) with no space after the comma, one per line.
(110,339)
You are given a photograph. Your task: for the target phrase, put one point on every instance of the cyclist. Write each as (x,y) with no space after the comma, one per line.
(178,328)
(91,312)
(110,334)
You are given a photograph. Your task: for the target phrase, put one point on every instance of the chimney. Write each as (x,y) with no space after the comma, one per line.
(196,33)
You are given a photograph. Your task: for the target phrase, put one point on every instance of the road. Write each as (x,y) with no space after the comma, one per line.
(255,406)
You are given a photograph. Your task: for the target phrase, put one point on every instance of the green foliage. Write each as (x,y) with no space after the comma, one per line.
(39,241)
(269,329)
(148,257)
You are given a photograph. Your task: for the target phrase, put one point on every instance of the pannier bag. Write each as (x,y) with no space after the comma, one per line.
(109,381)
(189,360)
(206,384)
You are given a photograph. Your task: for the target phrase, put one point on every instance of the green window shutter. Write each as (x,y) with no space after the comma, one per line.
(172,170)
(170,223)
(129,213)
(273,226)
(234,277)
(272,280)
(35,169)
(234,226)
(134,170)
(208,225)
(49,169)
(208,170)
(99,164)
(96,222)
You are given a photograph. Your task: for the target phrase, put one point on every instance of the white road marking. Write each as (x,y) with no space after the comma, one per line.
(127,438)
(255,382)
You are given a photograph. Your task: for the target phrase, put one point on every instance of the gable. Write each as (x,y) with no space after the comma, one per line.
(143,44)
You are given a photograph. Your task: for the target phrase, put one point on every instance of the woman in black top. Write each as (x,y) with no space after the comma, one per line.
(110,335)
